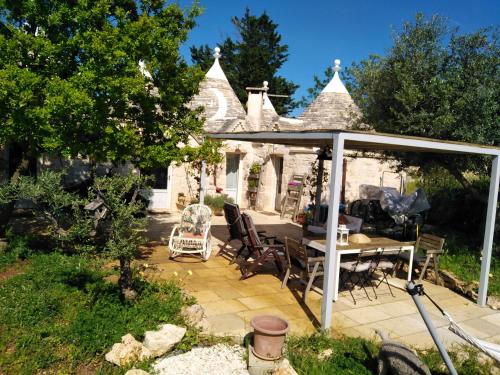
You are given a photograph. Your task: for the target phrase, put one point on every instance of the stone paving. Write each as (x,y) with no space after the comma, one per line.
(230,303)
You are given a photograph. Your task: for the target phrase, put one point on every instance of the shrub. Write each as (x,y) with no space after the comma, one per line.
(216,202)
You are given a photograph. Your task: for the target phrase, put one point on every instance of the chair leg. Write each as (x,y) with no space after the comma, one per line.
(424,269)
(257,262)
(223,248)
(238,253)
(285,279)
(311,280)
(436,268)
(385,273)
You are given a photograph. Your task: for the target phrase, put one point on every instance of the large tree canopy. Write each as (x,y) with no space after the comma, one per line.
(433,82)
(70,80)
(254,56)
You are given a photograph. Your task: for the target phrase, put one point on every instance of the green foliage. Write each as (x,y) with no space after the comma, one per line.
(70,82)
(120,195)
(349,356)
(360,356)
(216,202)
(67,226)
(255,55)
(255,168)
(464,260)
(63,303)
(435,83)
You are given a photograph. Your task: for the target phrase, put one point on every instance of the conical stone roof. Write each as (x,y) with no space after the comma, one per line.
(333,108)
(223,111)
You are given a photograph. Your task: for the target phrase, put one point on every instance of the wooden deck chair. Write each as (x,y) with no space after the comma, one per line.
(311,267)
(237,230)
(433,247)
(259,250)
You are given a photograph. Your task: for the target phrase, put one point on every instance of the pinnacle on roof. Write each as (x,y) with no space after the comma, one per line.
(268,105)
(216,71)
(336,85)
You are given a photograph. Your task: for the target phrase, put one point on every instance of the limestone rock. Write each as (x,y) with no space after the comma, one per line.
(284,368)
(161,341)
(194,314)
(325,354)
(129,350)
(494,302)
(136,371)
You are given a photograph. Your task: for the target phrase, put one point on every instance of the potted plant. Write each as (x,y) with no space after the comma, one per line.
(255,169)
(253,185)
(269,336)
(216,203)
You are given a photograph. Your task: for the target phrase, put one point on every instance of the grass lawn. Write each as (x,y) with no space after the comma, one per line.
(465,262)
(60,315)
(355,356)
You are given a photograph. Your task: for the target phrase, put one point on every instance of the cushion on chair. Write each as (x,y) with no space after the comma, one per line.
(191,235)
(355,266)
(385,264)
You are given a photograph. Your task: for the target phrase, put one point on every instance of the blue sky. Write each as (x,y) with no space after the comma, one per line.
(317,32)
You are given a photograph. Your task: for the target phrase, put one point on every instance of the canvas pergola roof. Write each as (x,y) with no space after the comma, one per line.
(340,140)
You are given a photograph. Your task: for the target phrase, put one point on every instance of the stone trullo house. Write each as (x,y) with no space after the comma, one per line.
(223,112)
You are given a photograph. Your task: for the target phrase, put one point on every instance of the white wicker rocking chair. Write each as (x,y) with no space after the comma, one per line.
(192,235)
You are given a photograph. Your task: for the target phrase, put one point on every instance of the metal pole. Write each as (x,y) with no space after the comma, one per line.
(489,230)
(203,182)
(330,274)
(319,188)
(413,291)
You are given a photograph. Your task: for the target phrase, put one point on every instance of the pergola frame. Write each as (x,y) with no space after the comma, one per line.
(340,140)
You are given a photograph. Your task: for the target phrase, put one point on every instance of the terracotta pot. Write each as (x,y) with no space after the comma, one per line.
(269,336)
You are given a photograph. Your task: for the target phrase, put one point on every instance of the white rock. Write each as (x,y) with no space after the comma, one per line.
(194,314)
(161,341)
(219,359)
(284,368)
(129,350)
(325,354)
(136,371)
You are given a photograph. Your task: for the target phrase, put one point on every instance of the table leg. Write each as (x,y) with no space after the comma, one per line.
(336,278)
(410,264)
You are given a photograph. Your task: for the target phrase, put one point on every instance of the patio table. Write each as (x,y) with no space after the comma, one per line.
(377,244)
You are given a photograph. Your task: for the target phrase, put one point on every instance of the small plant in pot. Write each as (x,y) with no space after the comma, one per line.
(255,170)
(253,186)
(216,203)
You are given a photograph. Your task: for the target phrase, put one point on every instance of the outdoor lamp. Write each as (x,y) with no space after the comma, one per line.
(342,235)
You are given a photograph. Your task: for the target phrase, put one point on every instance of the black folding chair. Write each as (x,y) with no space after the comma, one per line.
(358,272)
(386,264)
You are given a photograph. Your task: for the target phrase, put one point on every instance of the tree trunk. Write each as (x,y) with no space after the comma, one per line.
(125,280)
(465,183)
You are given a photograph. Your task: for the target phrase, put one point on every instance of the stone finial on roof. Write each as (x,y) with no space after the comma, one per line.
(216,71)
(265,85)
(336,85)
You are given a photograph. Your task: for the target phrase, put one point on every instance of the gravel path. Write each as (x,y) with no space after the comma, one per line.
(218,359)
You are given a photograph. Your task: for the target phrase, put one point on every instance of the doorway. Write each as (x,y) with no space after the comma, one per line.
(161,191)
(232,173)
(278,170)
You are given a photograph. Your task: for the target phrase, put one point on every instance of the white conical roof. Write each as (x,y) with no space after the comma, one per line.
(222,109)
(336,85)
(333,108)
(216,71)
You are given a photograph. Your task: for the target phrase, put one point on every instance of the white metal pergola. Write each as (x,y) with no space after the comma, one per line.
(340,140)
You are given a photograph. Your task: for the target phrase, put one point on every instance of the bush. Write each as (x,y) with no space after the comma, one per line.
(216,202)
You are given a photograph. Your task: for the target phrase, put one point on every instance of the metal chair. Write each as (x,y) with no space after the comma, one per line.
(362,268)
(311,267)
(192,235)
(259,250)
(386,263)
(433,247)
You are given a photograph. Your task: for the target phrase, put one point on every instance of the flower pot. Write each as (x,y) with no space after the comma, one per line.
(252,189)
(269,336)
